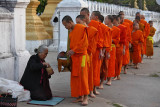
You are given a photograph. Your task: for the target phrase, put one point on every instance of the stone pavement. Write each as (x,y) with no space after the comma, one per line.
(139,88)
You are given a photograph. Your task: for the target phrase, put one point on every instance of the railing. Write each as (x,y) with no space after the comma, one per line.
(106,9)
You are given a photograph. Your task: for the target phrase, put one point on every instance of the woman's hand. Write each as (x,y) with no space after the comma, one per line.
(46,64)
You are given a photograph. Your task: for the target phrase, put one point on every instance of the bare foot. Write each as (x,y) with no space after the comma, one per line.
(80,99)
(136,67)
(100,87)
(108,83)
(92,95)
(85,102)
(96,92)
(114,79)
(125,72)
(118,78)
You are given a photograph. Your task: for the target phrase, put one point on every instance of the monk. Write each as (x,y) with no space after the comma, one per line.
(138,14)
(146,33)
(120,47)
(149,42)
(141,27)
(131,27)
(78,53)
(126,56)
(98,55)
(115,40)
(137,40)
(92,44)
(106,50)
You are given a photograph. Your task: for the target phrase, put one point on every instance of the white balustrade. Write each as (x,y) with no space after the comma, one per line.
(112,9)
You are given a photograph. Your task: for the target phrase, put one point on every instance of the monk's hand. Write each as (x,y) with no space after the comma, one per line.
(101,54)
(70,52)
(107,55)
(123,51)
(130,45)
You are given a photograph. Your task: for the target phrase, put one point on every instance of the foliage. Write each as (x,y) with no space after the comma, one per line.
(41,7)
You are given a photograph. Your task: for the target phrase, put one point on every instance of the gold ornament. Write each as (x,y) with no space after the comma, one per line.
(47,15)
(34,25)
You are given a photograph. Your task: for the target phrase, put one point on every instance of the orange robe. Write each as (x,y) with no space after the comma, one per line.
(126,57)
(107,44)
(79,74)
(115,40)
(145,33)
(119,49)
(141,27)
(149,42)
(137,40)
(96,59)
(92,45)
(131,27)
(130,23)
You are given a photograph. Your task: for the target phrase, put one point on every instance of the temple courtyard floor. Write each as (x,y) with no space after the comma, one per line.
(137,88)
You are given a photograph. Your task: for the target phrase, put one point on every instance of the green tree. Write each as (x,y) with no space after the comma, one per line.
(41,7)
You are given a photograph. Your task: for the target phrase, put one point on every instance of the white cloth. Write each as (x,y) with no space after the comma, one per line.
(18,90)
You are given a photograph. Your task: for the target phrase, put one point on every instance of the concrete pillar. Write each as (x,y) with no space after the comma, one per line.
(17,37)
(6,56)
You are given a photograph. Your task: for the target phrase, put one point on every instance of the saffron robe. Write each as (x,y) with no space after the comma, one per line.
(119,49)
(145,33)
(92,45)
(79,74)
(115,41)
(137,40)
(107,44)
(100,43)
(149,42)
(126,57)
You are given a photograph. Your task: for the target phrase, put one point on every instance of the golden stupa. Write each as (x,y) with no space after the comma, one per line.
(35,29)
(135,4)
(47,15)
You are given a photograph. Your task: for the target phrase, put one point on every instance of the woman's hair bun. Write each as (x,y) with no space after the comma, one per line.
(36,50)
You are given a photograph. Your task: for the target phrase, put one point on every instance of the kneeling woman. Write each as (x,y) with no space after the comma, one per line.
(35,77)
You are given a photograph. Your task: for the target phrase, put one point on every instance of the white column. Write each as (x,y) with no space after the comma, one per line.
(71,8)
(18,35)
(6,56)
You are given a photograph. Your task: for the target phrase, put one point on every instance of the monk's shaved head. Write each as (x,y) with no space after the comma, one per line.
(110,17)
(97,13)
(85,10)
(67,19)
(135,25)
(121,13)
(137,18)
(101,18)
(142,17)
(68,22)
(150,21)
(115,17)
(82,17)
(138,14)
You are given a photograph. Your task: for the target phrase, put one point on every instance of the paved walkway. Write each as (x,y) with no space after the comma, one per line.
(138,88)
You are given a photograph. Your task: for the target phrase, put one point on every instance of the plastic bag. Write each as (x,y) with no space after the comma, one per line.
(18,90)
